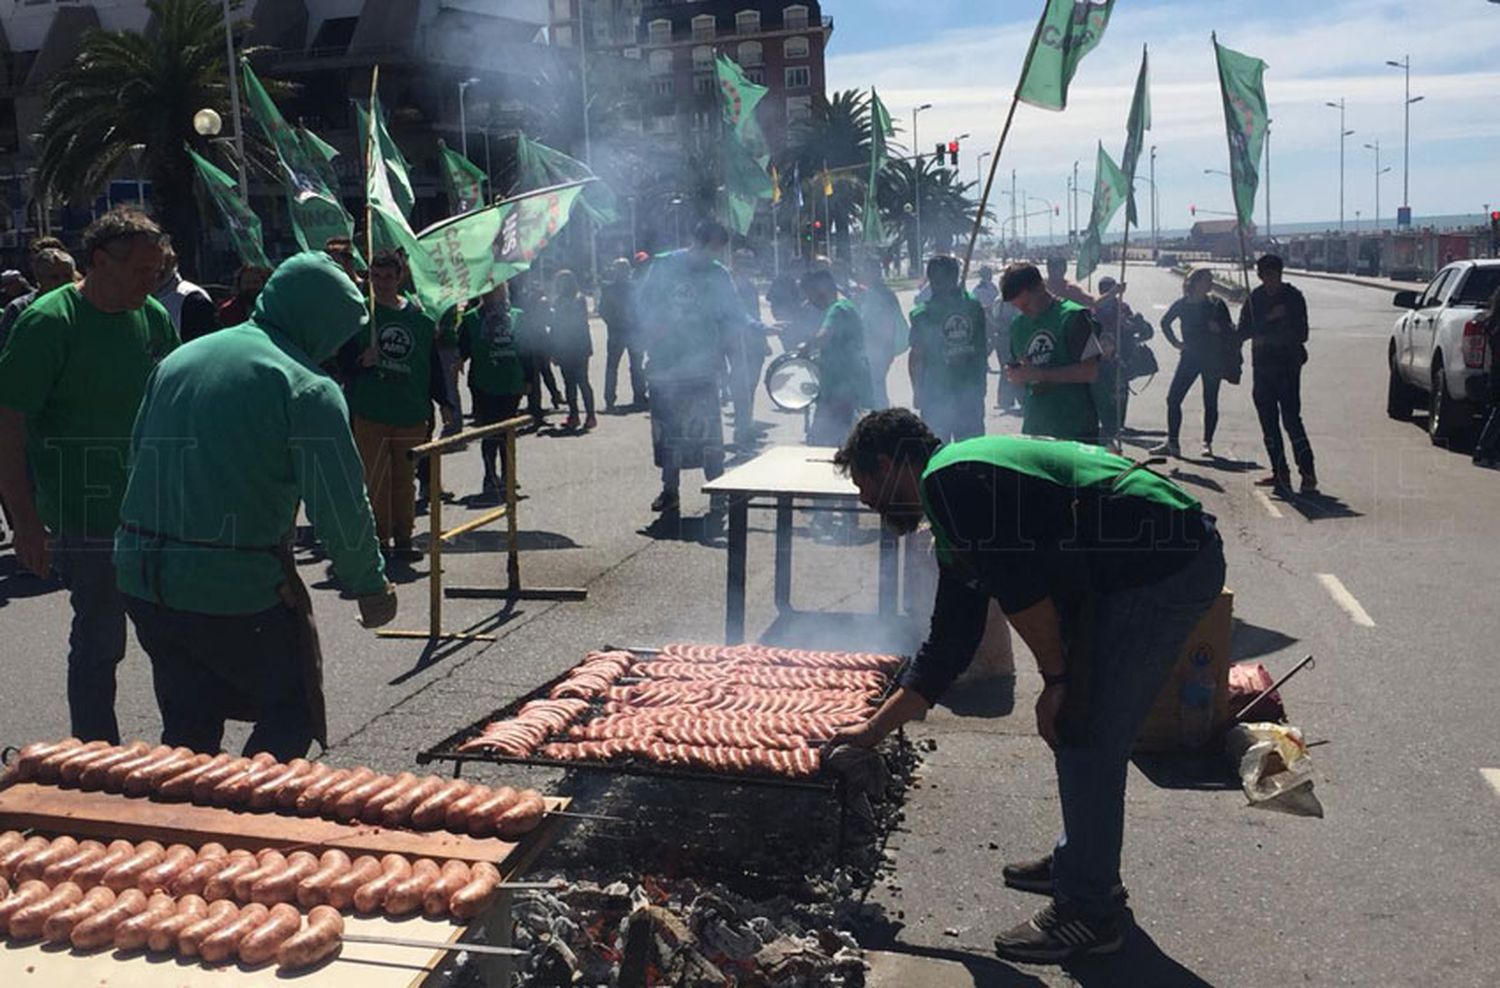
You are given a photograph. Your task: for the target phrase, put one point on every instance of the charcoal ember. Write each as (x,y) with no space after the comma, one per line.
(554,965)
(721,930)
(655,938)
(589,898)
(793,961)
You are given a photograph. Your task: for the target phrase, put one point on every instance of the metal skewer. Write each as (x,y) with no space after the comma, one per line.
(1306,663)
(475,948)
(586,816)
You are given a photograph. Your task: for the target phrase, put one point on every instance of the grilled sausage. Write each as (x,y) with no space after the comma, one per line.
(353,800)
(26,923)
(143,780)
(331,795)
(314,890)
(92,873)
(47,769)
(160,876)
(62,869)
(212,859)
(192,936)
(9,841)
(406,895)
(482,818)
(266,789)
(179,787)
(477,896)
(223,944)
(133,932)
(522,818)
(125,874)
(34,865)
(286,799)
(99,929)
(282,885)
(72,766)
(370,897)
(91,777)
(459,811)
(260,945)
(114,777)
(59,926)
(432,812)
(235,790)
(454,876)
(221,885)
(374,809)
(162,937)
(320,940)
(340,892)
(28,762)
(397,811)
(23,896)
(13,858)
(205,784)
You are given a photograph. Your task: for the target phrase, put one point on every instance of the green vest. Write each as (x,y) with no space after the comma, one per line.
(1071,466)
(949,333)
(1061,411)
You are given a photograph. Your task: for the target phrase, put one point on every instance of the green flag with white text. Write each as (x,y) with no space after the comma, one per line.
(463,179)
(395,161)
(542,167)
(243,224)
(317,215)
(1246,116)
(1135,135)
(1110,192)
(880,131)
(1068,30)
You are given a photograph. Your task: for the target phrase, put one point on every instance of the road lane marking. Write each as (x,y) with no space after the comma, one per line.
(1492,776)
(1342,597)
(1268,504)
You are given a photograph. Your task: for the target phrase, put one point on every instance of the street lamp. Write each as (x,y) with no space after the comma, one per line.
(234,103)
(1217,171)
(1339,106)
(979,166)
(916,183)
(1051,212)
(1267,182)
(1405,66)
(1154,244)
(136,150)
(1378,172)
(463,122)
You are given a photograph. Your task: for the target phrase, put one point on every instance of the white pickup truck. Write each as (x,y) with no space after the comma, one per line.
(1437,350)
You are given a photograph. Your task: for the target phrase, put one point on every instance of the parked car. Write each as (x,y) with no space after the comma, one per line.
(1437,349)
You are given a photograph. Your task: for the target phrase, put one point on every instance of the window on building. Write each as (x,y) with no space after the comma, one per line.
(703,85)
(663,86)
(798,108)
(750,53)
(562,10)
(661,125)
(794,18)
(562,36)
(705,27)
(798,77)
(796,49)
(632,53)
(747,22)
(702,119)
(660,31)
(757,76)
(703,59)
(661,62)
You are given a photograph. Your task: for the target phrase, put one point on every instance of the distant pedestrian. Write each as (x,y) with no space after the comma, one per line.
(1207,330)
(886,332)
(497,378)
(747,353)
(536,351)
(71,380)
(622,336)
(52,268)
(1054,352)
(1487,449)
(986,292)
(838,350)
(1060,287)
(572,346)
(191,309)
(1274,320)
(248,282)
(1008,396)
(1115,321)
(949,355)
(13,285)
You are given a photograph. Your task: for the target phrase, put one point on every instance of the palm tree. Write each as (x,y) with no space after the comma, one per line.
(836,137)
(129,93)
(947,211)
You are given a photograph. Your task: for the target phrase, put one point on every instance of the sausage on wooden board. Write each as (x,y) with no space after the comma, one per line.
(329,797)
(370,897)
(282,885)
(272,862)
(75,761)
(62,869)
(179,787)
(260,945)
(29,759)
(212,859)
(27,923)
(35,865)
(286,799)
(482,818)
(374,808)
(477,896)
(341,890)
(263,794)
(223,944)
(454,876)
(405,896)
(522,818)
(433,811)
(160,876)
(143,780)
(23,895)
(221,884)
(398,811)
(59,926)
(192,936)
(162,937)
(459,811)
(349,803)
(92,873)
(133,932)
(125,874)
(11,860)
(114,779)
(315,943)
(314,891)
(99,929)
(91,777)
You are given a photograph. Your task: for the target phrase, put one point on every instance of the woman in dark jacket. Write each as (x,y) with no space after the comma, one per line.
(1207,334)
(572,346)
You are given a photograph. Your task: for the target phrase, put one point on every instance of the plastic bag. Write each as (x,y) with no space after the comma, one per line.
(1274,768)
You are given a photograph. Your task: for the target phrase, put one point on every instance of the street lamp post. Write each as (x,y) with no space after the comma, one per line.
(1268,179)
(234,104)
(1405,66)
(1154,229)
(463,120)
(1051,212)
(1343,133)
(916,184)
(1378,172)
(1077,219)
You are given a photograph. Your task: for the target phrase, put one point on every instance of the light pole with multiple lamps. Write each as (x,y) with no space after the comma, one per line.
(1405,66)
(1378,172)
(1154,228)
(916,184)
(1343,133)
(463,119)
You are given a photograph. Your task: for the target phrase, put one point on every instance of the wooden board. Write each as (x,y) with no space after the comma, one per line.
(52,809)
(359,965)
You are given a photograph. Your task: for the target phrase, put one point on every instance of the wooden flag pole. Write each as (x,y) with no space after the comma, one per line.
(370,210)
(1119,328)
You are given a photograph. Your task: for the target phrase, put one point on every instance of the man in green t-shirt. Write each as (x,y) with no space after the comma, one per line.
(838,349)
(949,355)
(497,378)
(1055,352)
(71,379)
(1103,568)
(390,403)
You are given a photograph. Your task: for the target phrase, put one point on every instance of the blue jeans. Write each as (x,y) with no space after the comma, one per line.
(1137,635)
(96,642)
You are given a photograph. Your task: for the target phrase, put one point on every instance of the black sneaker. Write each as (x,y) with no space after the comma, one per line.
(1057,932)
(1036,877)
(666,502)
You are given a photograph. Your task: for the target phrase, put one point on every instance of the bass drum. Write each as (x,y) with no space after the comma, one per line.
(792,382)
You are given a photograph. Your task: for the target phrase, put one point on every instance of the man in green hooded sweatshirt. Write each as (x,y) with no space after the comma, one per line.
(234,432)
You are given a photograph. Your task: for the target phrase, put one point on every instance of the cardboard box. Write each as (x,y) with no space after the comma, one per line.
(1209,644)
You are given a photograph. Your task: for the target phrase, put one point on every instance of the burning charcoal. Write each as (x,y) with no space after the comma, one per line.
(654,938)
(788,960)
(764,929)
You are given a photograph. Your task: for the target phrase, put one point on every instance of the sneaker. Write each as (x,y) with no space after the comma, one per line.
(402,550)
(592,422)
(1030,876)
(492,485)
(571,422)
(666,501)
(1207,451)
(1280,481)
(1168,448)
(1057,932)
(1309,483)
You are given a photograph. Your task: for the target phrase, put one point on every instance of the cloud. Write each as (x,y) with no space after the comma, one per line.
(1316,53)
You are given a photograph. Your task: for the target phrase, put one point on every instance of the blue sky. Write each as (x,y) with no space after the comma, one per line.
(963,56)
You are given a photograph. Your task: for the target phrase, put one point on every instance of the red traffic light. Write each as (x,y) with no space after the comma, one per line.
(952,147)
(1193,210)
(817,224)
(1495,216)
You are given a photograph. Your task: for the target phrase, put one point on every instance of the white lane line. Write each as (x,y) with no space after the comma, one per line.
(1268,504)
(1492,776)
(1342,597)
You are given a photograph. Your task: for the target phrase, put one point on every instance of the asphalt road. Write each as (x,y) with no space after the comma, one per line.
(1398,885)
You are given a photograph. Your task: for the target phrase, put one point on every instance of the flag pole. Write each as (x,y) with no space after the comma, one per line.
(370,210)
(1119,326)
(1239,223)
(1010,117)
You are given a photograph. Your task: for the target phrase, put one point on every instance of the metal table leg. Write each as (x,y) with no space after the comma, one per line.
(890,558)
(734,591)
(783,593)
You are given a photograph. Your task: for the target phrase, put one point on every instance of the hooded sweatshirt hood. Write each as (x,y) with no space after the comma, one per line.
(312,303)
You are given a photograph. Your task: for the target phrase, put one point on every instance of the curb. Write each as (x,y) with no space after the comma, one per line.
(1354,280)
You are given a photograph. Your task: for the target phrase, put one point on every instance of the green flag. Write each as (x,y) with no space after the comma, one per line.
(542,167)
(321,154)
(738,98)
(1135,135)
(1110,191)
(317,214)
(880,131)
(463,179)
(1242,83)
(746,183)
(395,161)
(1068,30)
(243,224)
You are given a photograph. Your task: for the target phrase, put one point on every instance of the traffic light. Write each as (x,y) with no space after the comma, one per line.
(1495,233)
(1193,210)
(942,149)
(953,153)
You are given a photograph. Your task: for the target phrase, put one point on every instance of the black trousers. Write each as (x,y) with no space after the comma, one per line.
(1190,367)
(489,409)
(622,342)
(575,374)
(1278,402)
(209,668)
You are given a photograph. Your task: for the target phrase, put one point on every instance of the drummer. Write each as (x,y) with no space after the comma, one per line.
(1088,548)
(838,350)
